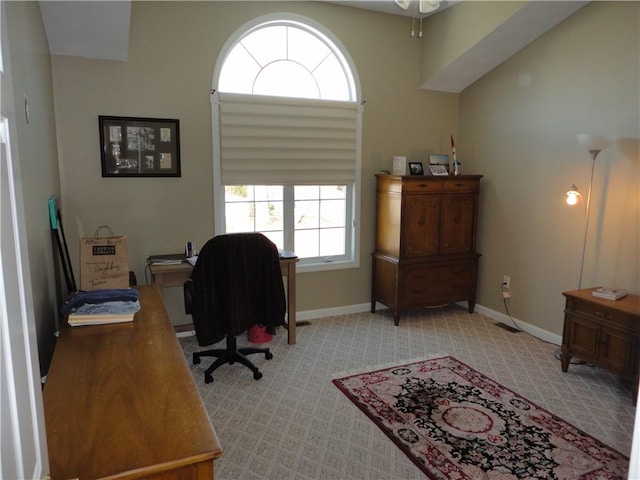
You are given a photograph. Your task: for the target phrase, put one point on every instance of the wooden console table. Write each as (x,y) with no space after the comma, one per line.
(120,402)
(175,276)
(602,332)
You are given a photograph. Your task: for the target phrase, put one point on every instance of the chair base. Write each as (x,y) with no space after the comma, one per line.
(231,355)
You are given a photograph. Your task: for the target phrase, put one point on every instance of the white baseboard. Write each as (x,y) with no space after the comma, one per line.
(366,307)
(527,327)
(487,312)
(335,311)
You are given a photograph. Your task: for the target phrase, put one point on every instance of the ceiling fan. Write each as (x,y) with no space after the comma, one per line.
(424,6)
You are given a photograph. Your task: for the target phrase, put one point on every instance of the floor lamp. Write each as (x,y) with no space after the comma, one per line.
(594,144)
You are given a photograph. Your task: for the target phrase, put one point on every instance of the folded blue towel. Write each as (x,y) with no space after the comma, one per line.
(113,308)
(95,297)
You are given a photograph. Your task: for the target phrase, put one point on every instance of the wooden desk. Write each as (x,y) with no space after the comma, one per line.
(120,402)
(175,276)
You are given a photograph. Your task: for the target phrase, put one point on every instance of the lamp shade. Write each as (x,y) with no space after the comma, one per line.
(593,141)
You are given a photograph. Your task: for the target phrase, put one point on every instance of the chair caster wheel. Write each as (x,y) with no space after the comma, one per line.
(268,355)
(208,378)
(257,375)
(196,359)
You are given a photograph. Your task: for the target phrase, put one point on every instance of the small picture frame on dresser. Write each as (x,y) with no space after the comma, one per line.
(439,159)
(415,168)
(439,170)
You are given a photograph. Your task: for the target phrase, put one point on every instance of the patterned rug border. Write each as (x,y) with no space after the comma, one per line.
(351,373)
(387,365)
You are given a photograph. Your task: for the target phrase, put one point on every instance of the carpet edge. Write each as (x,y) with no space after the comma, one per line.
(384,366)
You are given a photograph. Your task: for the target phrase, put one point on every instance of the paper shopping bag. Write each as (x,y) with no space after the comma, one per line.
(104,261)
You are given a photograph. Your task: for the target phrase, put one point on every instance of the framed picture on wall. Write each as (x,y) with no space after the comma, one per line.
(139,147)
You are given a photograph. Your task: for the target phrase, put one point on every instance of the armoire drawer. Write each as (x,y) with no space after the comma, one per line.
(460,186)
(421,186)
(437,272)
(430,293)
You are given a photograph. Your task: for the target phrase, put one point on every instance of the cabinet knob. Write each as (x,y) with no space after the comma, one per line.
(421,221)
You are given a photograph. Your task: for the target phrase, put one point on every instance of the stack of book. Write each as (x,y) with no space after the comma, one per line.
(100,307)
(78,319)
(609,293)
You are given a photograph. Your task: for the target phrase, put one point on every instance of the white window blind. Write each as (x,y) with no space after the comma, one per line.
(268,140)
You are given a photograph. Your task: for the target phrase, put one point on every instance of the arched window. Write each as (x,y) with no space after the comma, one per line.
(287,140)
(287,59)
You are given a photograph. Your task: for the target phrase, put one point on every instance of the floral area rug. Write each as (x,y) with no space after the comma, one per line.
(455,423)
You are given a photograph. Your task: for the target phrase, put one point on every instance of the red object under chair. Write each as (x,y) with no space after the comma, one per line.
(258,334)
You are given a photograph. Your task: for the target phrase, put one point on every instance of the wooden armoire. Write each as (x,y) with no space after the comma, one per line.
(425,246)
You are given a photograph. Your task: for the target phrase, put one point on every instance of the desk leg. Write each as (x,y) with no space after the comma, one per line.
(158,280)
(291,303)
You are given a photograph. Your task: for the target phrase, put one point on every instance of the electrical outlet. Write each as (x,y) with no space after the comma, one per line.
(506,281)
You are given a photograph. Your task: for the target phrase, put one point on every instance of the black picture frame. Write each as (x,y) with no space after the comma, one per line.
(139,147)
(415,168)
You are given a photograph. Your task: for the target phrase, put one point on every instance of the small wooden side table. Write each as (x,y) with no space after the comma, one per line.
(602,332)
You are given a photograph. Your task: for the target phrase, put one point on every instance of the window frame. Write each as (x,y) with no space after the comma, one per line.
(353,202)
(288,208)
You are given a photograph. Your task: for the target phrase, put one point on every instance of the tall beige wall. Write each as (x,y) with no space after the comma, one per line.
(27,73)
(518,127)
(173,48)
(450,34)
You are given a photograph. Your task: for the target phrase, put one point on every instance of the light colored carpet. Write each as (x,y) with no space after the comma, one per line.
(295,424)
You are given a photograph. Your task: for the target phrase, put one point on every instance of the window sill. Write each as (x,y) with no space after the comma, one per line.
(326,266)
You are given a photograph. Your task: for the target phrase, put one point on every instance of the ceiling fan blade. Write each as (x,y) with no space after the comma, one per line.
(428,6)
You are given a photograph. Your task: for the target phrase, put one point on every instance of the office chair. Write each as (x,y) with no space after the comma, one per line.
(236,283)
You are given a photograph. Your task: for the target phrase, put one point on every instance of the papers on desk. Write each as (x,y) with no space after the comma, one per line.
(192,260)
(166,262)
(286,253)
(167,259)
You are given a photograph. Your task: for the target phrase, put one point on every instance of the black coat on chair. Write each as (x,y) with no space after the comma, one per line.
(236,284)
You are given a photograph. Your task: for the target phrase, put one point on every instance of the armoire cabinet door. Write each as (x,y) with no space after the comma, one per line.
(457,226)
(421,224)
